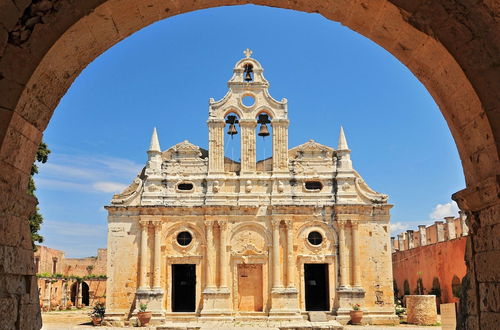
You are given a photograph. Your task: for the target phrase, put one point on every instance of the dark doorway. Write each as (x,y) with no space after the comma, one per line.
(183,288)
(74,288)
(316,287)
(85,294)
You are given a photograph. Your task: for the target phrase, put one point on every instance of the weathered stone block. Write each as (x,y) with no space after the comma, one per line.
(421,309)
(489,294)
(487,266)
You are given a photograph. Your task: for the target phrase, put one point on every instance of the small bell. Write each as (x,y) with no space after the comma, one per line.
(248,77)
(232,130)
(263,130)
(248,72)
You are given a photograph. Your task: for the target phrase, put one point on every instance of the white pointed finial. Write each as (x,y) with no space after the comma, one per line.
(342,140)
(155,143)
(248,52)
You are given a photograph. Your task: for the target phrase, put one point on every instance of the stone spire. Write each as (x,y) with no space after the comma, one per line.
(342,140)
(154,146)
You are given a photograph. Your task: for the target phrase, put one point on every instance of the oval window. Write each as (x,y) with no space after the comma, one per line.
(184,238)
(248,100)
(315,238)
(185,186)
(314,185)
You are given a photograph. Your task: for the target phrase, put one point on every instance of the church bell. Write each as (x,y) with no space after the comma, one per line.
(231,120)
(232,130)
(263,121)
(248,73)
(263,131)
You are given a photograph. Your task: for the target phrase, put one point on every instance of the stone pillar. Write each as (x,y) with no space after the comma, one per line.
(423,235)
(46,298)
(450,227)
(280,145)
(440,231)
(79,295)
(210,261)
(355,255)
(276,263)
(463,217)
(216,145)
(409,237)
(143,257)
(290,261)
(223,271)
(157,256)
(393,244)
(344,271)
(64,296)
(248,160)
(401,242)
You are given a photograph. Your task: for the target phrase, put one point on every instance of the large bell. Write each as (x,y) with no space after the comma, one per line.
(232,130)
(263,131)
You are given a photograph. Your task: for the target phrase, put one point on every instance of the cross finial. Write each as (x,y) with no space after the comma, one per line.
(247,52)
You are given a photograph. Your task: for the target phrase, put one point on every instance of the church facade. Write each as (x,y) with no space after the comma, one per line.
(199,237)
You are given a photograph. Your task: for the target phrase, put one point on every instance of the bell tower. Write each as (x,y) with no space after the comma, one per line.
(248,98)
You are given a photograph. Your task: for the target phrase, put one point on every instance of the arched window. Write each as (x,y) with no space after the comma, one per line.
(420,287)
(456,287)
(264,142)
(436,287)
(232,143)
(406,287)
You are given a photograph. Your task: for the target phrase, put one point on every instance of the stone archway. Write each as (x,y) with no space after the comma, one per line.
(452,47)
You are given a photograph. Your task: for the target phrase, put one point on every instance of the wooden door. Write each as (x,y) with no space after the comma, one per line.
(250,287)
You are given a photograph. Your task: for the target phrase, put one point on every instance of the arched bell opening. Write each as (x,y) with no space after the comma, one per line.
(232,143)
(264,142)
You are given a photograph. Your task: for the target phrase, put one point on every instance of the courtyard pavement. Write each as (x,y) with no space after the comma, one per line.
(79,319)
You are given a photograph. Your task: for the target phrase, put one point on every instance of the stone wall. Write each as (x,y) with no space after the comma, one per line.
(443,261)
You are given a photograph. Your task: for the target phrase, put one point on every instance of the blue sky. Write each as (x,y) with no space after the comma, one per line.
(164,75)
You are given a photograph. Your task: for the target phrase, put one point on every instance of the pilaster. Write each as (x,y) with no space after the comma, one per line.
(248,160)
(280,145)
(216,146)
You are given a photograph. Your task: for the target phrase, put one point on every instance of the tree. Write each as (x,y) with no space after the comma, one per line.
(36,219)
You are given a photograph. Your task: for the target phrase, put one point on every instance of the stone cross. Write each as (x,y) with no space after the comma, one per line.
(247,52)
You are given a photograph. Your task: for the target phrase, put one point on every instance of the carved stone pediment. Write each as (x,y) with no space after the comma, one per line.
(181,150)
(311,149)
(249,249)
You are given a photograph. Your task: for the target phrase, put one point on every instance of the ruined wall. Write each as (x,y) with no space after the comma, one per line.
(86,266)
(442,260)
(45,258)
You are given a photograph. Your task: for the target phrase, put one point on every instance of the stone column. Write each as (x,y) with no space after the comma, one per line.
(223,270)
(440,231)
(463,217)
(393,244)
(290,262)
(409,236)
(344,280)
(64,296)
(248,160)
(401,242)
(216,145)
(280,145)
(143,271)
(355,255)
(46,298)
(450,227)
(79,295)
(210,262)
(423,235)
(157,256)
(276,254)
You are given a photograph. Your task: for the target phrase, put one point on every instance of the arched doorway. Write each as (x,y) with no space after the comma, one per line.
(74,293)
(452,49)
(85,294)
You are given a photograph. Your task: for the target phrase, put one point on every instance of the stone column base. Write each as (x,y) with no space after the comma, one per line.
(216,304)
(154,299)
(284,304)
